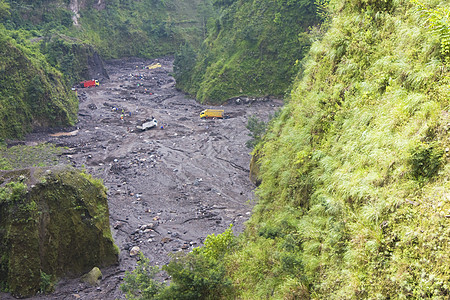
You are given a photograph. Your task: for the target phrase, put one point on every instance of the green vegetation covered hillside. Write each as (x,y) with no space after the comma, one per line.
(32,93)
(252,48)
(148,28)
(355,194)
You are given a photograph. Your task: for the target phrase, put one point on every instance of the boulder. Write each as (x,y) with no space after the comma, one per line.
(93,277)
(135,251)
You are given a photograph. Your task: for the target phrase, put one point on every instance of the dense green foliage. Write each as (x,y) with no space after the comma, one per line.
(252,48)
(140,283)
(147,28)
(354,200)
(257,129)
(76,61)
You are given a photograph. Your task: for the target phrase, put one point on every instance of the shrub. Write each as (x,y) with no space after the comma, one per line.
(195,276)
(47,284)
(13,192)
(257,129)
(426,159)
(200,274)
(140,282)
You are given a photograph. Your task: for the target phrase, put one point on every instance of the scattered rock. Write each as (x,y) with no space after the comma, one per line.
(118,224)
(165,240)
(127,246)
(126,162)
(93,277)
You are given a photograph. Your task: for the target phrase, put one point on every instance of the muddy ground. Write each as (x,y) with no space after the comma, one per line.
(185,181)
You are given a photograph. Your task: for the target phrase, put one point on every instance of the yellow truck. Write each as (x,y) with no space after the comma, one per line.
(153,66)
(212,113)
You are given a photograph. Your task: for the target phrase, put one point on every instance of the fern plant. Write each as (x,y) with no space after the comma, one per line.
(438,21)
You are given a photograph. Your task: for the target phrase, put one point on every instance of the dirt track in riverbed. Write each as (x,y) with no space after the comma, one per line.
(187,180)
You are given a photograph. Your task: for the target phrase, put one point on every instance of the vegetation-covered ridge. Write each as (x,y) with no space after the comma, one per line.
(32,93)
(147,28)
(252,49)
(354,200)
(355,194)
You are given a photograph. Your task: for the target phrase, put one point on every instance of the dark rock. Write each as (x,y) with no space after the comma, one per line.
(118,224)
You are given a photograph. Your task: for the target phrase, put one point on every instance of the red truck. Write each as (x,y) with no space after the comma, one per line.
(89,83)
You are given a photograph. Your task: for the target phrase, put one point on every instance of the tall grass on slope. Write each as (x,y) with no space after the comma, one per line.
(358,160)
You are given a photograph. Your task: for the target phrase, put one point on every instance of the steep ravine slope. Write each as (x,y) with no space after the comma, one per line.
(33,95)
(147,28)
(252,49)
(355,195)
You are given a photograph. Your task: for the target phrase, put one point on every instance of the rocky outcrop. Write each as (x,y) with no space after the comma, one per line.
(76,5)
(93,277)
(74,8)
(79,61)
(53,223)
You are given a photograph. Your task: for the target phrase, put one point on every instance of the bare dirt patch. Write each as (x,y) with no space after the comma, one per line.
(182,182)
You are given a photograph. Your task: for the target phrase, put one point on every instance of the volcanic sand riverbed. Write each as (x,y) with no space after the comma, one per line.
(185,181)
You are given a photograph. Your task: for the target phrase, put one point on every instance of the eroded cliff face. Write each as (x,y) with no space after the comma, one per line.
(75,8)
(76,5)
(53,223)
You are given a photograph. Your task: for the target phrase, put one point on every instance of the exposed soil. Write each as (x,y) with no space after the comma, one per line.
(188,180)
